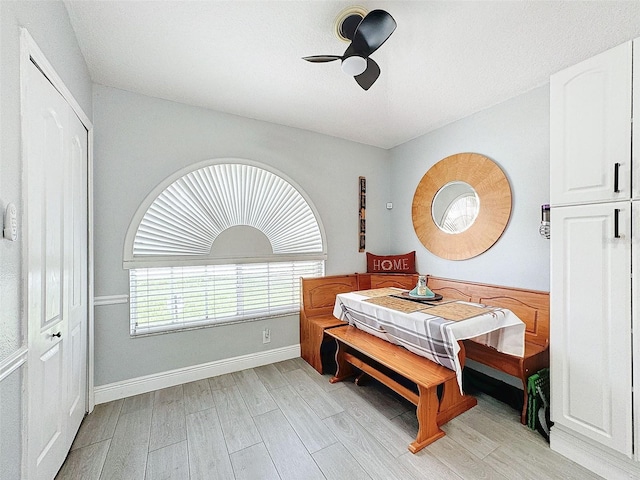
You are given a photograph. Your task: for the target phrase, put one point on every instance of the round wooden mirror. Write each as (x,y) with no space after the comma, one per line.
(461,206)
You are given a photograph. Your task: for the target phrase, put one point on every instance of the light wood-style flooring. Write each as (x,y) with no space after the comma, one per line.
(285,421)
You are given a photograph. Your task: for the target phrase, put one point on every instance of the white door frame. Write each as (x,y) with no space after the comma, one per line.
(29,51)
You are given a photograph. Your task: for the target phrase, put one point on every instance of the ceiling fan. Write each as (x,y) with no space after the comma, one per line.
(367,34)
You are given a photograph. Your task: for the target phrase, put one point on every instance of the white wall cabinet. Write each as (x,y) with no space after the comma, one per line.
(590,129)
(593,253)
(591,322)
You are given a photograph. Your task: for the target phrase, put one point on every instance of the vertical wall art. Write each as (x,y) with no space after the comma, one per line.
(361,213)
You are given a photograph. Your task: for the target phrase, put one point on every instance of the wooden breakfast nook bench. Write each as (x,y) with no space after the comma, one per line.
(318,296)
(381,359)
(531,306)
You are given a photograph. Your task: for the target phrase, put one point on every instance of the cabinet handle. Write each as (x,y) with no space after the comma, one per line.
(616,177)
(616,223)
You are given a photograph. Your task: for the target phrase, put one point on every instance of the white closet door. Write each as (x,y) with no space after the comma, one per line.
(591,322)
(591,130)
(55,144)
(75,254)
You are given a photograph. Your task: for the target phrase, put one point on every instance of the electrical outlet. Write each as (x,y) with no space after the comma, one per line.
(266,335)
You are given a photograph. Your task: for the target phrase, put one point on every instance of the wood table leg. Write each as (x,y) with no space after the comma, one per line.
(427,412)
(344,368)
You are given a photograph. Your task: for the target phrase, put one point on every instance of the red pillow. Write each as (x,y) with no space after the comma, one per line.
(391,263)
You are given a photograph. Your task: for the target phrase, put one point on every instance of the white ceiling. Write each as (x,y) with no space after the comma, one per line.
(445,61)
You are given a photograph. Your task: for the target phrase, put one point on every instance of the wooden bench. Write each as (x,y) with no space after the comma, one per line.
(318,297)
(531,306)
(379,358)
(367,281)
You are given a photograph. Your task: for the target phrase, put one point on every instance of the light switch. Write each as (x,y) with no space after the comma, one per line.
(11,223)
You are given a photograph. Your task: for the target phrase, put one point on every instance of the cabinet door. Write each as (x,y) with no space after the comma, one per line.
(635,315)
(635,150)
(590,348)
(590,136)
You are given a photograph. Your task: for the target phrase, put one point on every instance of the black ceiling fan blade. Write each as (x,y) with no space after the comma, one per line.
(350,51)
(321,58)
(369,76)
(374,29)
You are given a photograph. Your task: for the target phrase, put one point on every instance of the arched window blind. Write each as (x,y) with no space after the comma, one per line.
(175,280)
(189,214)
(460,215)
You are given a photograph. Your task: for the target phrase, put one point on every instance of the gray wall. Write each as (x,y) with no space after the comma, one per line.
(49,25)
(140,141)
(515,134)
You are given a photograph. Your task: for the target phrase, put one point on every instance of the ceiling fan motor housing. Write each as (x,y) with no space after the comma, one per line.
(349,25)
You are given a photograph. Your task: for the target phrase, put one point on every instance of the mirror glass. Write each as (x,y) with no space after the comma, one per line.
(455,207)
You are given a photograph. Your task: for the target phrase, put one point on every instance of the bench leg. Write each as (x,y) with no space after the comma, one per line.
(344,369)
(453,403)
(427,412)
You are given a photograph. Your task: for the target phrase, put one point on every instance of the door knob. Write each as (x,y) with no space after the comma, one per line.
(59,334)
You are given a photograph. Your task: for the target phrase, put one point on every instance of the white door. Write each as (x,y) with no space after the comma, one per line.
(56,296)
(591,129)
(591,377)
(75,255)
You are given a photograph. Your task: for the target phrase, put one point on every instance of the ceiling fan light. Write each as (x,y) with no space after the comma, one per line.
(354,65)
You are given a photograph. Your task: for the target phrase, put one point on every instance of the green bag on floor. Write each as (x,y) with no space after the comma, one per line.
(538,406)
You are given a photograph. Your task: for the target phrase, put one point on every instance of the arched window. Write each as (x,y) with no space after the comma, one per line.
(221,243)
(460,214)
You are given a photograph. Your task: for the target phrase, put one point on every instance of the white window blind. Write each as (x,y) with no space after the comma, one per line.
(186,218)
(176,282)
(461,214)
(168,298)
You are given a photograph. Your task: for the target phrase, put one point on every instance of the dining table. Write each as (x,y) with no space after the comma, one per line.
(431,327)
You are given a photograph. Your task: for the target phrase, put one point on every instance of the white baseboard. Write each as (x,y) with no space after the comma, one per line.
(493,373)
(597,458)
(149,383)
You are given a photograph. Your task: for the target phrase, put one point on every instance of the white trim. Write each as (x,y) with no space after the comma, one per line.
(149,383)
(110,300)
(13,362)
(26,46)
(599,459)
(91,402)
(33,51)
(193,260)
